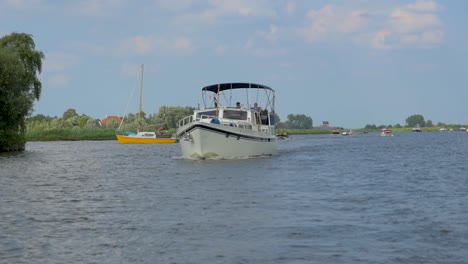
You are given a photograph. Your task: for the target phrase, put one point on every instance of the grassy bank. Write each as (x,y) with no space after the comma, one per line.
(71,134)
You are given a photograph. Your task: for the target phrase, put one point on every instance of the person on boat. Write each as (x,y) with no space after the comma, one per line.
(256,107)
(238,105)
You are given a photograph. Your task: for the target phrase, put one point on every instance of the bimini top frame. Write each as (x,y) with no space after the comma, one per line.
(224,91)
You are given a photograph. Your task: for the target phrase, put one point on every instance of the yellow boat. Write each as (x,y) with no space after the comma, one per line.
(144,137)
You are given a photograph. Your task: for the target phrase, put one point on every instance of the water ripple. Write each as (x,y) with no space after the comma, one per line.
(323,199)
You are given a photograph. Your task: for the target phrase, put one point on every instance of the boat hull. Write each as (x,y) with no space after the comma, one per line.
(204,140)
(123,139)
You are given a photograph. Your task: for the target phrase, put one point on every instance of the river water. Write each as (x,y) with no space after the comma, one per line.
(324,199)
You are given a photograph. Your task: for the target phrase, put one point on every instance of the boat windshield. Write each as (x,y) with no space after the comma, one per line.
(235,114)
(206,114)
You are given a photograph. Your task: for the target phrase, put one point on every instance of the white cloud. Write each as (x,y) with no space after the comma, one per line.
(138,45)
(416,25)
(59,61)
(58,80)
(211,11)
(320,24)
(381,39)
(423,6)
(354,21)
(220,50)
(183,44)
(290,8)
(243,7)
(406,21)
(413,25)
(262,44)
(270,35)
(150,45)
(56,67)
(332,20)
(427,38)
(97,8)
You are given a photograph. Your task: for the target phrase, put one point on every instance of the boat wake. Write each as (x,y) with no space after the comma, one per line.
(216,157)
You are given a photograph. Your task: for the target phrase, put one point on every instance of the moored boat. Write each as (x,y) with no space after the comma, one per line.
(146,138)
(222,130)
(143,137)
(282,135)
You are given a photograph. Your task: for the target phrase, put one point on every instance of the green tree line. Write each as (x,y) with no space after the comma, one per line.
(166,118)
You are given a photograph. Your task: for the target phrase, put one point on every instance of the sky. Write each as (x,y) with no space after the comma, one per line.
(348,62)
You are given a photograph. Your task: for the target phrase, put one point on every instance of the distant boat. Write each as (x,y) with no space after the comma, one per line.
(386,132)
(144,137)
(417,128)
(282,135)
(335,132)
(346,133)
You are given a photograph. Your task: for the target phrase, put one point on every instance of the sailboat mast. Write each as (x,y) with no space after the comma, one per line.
(141,95)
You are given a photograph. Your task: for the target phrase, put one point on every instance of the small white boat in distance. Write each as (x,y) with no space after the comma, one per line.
(417,128)
(224,130)
(386,132)
(346,133)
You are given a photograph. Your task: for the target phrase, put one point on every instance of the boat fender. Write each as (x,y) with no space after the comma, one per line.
(215,121)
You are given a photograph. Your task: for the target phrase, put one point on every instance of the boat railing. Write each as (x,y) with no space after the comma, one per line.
(184,121)
(189,119)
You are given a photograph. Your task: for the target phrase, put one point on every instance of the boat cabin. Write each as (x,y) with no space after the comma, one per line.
(236,117)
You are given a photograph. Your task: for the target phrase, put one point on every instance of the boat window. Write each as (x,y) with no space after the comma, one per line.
(206,114)
(234,114)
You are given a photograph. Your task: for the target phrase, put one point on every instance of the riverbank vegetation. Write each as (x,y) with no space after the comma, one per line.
(73,126)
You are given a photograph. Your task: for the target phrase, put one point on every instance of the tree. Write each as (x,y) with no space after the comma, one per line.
(20,63)
(369,126)
(415,120)
(83,120)
(69,114)
(299,121)
(170,115)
